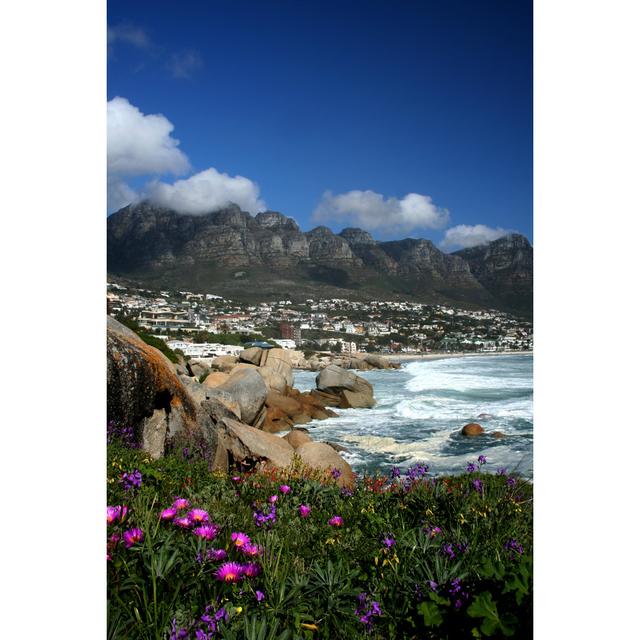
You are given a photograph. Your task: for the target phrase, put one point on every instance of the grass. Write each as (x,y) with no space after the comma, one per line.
(416,556)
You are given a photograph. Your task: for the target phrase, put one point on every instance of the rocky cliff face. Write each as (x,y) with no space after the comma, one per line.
(232,252)
(505,268)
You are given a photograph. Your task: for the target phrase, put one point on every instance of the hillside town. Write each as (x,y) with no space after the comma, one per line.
(191,321)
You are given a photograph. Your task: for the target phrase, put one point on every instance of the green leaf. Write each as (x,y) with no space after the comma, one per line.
(430,613)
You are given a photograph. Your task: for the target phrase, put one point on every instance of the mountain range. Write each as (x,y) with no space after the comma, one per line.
(232,253)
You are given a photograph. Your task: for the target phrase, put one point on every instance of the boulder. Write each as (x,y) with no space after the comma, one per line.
(274,380)
(144,391)
(300,418)
(330,399)
(497,434)
(251,355)
(298,437)
(290,406)
(337,447)
(353,391)
(181,369)
(279,360)
(319,455)
(356,399)
(215,379)
(198,368)
(472,429)
(224,363)
(248,444)
(248,389)
(225,399)
(378,362)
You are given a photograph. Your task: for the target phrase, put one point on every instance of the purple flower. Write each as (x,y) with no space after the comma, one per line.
(395,472)
(131,480)
(511,481)
(207,531)
(240,539)
(262,519)
(177,634)
(388,541)
(181,503)
(447,550)
(259,595)
(168,514)
(304,510)
(417,471)
(251,569)
(433,585)
(482,459)
(477,485)
(230,572)
(471,467)
(251,550)
(116,514)
(273,499)
(285,488)
(336,473)
(513,545)
(432,532)
(198,515)
(501,471)
(336,521)
(132,536)
(184,522)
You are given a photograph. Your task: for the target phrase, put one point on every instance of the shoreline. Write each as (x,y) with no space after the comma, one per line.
(443,356)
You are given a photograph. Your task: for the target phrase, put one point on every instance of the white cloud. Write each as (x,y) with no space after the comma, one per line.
(139,144)
(184,64)
(129,34)
(205,192)
(119,194)
(466,235)
(371,210)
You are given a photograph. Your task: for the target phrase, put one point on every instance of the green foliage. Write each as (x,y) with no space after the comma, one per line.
(459,565)
(152,341)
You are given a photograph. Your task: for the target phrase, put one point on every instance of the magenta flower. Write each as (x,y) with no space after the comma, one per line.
(115,514)
(230,572)
(285,488)
(259,595)
(181,503)
(273,499)
(184,522)
(336,521)
(236,478)
(240,539)
(132,536)
(304,510)
(251,550)
(168,514)
(251,569)
(207,531)
(216,555)
(198,515)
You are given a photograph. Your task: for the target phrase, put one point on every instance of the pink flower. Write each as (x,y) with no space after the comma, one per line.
(198,515)
(181,503)
(207,531)
(285,488)
(240,539)
(251,569)
(183,523)
(132,536)
(116,514)
(251,550)
(336,521)
(168,514)
(304,510)
(230,572)
(273,499)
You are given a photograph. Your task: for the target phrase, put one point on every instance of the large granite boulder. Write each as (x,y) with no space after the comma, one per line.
(289,405)
(353,391)
(144,391)
(248,389)
(472,429)
(198,368)
(297,437)
(251,355)
(377,362)
(248,445)
(280,361)
(274,380)
(319,455)
(215,379)
(224,363)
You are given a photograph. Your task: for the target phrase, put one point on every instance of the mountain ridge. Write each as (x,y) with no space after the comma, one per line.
(230,250)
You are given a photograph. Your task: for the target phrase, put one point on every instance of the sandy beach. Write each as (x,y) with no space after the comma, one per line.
(444,356)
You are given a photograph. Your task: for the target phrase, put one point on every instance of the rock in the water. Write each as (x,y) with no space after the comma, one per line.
(251,355)
(319,455)
(472,429)
(497,434)
(248,389)
(352,390)
(290,406)
(215,379)
(379,362)
(245,443)
(298,437)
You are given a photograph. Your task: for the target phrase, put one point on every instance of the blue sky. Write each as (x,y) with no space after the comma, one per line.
(336,111)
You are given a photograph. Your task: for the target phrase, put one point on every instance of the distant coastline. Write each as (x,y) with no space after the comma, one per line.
(444,356)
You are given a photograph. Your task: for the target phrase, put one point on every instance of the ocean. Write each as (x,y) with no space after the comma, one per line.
(422,407)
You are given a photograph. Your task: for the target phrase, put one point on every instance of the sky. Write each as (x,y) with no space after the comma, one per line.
(405,118)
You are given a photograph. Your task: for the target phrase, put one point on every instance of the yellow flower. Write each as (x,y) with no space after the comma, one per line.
(428,512)
(238,609)
(330,541)
(462,518)
(312,627)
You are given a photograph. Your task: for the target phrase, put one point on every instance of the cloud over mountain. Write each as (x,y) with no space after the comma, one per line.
(372,211)
(466,235)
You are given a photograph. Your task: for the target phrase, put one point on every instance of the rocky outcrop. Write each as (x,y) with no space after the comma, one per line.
(251,256)
(144,391)
(321,456)
(472,429)
(248,389)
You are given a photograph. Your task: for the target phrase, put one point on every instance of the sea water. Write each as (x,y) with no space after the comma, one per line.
(422,407)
